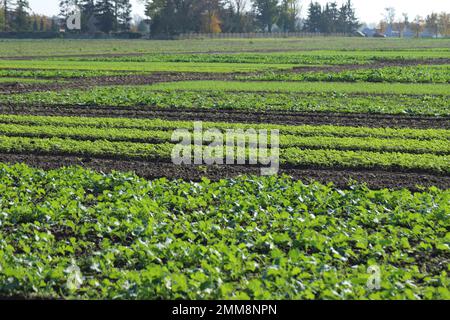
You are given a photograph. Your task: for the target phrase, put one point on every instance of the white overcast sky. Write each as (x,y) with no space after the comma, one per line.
(367,10)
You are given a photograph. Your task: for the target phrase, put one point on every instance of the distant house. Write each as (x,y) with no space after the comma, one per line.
(409,33)
(369,32)
(379,35)
(391,33)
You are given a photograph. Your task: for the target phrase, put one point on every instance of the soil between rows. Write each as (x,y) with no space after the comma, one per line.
(235,116)
(375,179)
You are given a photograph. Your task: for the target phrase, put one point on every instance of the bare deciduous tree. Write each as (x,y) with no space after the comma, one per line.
(444,24)
(389,15)
(431,23)
(418,25)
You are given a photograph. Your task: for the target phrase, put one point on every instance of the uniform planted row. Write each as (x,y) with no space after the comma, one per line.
(139,126)
(329,158)
(141,66)
(313,57)
(286,141)
(416,74)
(264,58)
(308,87)
(424,104)
(50,74)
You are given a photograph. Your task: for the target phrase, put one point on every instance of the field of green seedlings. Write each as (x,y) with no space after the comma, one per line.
(266,238)
(92,206)
(139,66)
(14,48)
(313,97)
(416,74)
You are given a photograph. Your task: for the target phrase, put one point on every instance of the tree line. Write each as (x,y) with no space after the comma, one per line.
(172,17)
(99,15)
(436,23)
(96,15)
(331,18)
(14,16)
(166,18)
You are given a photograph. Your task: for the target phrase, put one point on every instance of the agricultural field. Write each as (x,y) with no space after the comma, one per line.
(93,205)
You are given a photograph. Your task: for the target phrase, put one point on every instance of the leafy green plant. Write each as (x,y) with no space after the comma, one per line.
(325,140)
(50,74)
(140,126)
(416,74)
(212,98)
(266,238)
(321,157)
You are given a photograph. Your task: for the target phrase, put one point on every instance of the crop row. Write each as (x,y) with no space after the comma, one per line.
(122,237)
(323,57)
(264,58)
(138,127)
(49,74)
(286,141)
(416,74)
(6,80)
(294,156)
(140,66)
(317,87)
(426,104)
(326,45)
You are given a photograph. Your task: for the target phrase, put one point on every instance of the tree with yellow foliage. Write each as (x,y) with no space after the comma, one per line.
(211,23)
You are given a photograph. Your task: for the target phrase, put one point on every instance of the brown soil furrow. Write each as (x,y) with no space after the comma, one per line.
(235,116)
(88,157)
(152,170)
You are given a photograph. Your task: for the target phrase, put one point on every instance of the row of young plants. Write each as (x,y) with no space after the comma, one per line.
(141,66)
(307,87)
(323,57)
(51,74)
(139,127)
(320,45)
(73,233)
(413,74)
(327,158)
(264,58)
(435,146)
(414,103)
(12,80)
